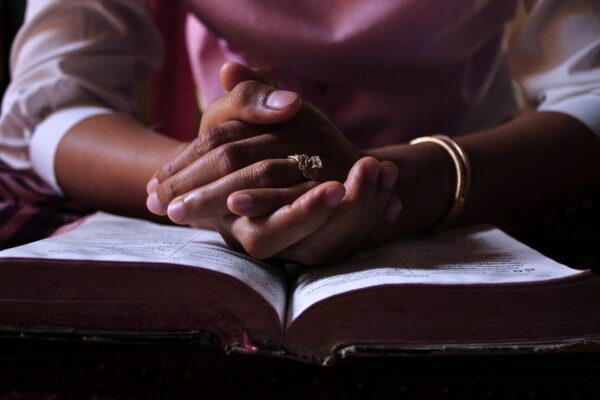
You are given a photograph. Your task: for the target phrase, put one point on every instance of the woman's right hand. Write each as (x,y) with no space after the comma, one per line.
(245,138)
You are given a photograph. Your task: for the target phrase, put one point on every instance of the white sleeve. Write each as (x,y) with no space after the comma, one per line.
(49,133)
(70,54)
(556,58)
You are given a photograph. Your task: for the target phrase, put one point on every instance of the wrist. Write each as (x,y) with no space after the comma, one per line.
(462,169)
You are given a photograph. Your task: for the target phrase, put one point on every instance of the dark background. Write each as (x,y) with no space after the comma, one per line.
(11,16)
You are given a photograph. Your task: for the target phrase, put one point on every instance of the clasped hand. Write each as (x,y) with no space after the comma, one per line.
(236,175)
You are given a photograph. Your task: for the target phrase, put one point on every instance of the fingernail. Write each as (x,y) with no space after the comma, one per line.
(280,99)
(334,195)
(372,167)
(153,204)
(240,201)
(393,209)
(151,186)
(388,176)
(175,211)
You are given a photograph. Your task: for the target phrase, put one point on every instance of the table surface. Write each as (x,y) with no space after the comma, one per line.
(34,369)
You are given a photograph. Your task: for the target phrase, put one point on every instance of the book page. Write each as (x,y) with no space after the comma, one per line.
(105,237)
(483,255)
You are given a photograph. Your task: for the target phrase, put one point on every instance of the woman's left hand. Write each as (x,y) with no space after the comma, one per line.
(324,224)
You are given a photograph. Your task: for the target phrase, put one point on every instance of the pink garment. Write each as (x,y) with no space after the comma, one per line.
(360,61)
(383,70)
(172,94)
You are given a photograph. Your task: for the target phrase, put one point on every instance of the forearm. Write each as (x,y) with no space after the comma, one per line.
(105,162)
(521,169)
(533,165)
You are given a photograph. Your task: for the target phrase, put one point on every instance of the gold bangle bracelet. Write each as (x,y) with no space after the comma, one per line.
(463,175)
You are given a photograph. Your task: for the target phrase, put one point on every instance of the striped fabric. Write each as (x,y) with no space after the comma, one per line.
(30,209)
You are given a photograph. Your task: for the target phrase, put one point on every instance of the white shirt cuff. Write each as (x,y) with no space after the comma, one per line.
(584,108)
(48,134)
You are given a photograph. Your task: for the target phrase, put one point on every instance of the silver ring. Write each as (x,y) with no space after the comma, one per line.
(308,165)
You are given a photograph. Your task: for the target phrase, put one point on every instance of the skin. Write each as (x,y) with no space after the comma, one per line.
(424,187)
(105,161)
(297,232)
(534,164)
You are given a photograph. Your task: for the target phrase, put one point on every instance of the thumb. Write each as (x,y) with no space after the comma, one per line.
(254,103)
(233,73)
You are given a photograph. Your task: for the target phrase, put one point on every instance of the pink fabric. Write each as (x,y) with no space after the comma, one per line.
(360,61)
(172,96)
(383,70)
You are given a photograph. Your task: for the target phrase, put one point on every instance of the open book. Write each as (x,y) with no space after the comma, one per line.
(473,288)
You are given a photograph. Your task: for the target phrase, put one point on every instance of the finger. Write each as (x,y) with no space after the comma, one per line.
(264,237)
(210,200)
(218,163)
(380,231)
(362,180)
(222,225)
(233,73)
(252,102)
(381,228)
(227,132)
(368,189)
(260,202)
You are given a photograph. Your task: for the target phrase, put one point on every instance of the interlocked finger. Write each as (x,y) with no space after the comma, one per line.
(209,201)
(260,202)
(227,132)
(217,164)
(368,189)
(264,237)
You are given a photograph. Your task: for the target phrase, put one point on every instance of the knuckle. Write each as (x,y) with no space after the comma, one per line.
(167,191)
(244,91)
(165,172)
(216,136)
(262,175)
(249,93)
(198,146)
(231,156)
(209,140)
